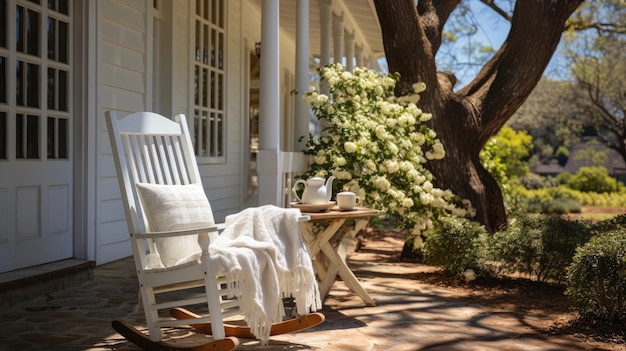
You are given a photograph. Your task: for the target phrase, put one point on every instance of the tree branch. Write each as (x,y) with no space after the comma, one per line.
(604,117)
(505,82)
(600,27)
(434,15)
(492,5)
(404,34)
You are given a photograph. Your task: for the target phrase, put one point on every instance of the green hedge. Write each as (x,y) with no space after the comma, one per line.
(540,246)
(596,280)
(455,244)
(562,199)
(590,259)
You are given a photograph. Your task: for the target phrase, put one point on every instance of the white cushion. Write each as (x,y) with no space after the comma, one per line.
(175,207)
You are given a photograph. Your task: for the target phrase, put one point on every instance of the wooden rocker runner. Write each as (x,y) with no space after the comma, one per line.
(138,338)
(289,326)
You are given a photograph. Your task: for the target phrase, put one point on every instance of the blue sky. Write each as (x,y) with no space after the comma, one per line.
(493,29)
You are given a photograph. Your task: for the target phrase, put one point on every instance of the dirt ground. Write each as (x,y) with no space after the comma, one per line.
(518,296)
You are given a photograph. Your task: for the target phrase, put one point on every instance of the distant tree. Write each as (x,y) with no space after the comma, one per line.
(548,116)
(558,113)
(504,156)
(599,92)
(514,147)
(592,154)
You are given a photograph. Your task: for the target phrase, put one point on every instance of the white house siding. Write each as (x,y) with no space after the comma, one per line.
(123,75)
(121,85)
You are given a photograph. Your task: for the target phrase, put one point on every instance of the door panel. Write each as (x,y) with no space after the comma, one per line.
(35,133)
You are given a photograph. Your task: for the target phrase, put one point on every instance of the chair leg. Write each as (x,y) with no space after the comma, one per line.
(152,316)
(288,326)
(138,338)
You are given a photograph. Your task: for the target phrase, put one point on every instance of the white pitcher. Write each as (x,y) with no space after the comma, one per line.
(317,190)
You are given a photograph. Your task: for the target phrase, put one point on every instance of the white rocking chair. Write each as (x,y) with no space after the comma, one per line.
(167,213)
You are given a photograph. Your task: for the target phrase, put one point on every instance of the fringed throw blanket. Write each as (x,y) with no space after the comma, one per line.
(260,252)
(264,259)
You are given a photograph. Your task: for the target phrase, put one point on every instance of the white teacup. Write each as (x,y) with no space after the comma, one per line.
(347,200)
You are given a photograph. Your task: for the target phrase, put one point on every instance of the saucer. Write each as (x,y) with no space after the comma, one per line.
(313,207)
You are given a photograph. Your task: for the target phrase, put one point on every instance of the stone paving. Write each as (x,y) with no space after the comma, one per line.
(408,315)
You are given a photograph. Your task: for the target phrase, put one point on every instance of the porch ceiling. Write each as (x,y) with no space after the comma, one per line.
(358,16)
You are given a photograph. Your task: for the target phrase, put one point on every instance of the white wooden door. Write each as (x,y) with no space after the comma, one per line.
(35,132)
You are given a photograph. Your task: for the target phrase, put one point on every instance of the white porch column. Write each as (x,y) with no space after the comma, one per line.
(301,123)
(269,99)
(326,20)
(358,53)
(338,39)
(269,106)
(349,51)
(326,17)
(367,62)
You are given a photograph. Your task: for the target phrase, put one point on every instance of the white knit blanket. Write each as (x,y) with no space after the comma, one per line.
(263,256)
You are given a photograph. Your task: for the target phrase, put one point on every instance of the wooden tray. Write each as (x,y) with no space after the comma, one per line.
(313,207)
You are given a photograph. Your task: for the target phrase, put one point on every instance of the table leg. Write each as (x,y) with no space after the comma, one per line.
(336,265)
(316,241)
(346,274)
(342,251)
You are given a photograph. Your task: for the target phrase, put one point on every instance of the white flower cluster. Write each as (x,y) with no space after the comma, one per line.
(376,144)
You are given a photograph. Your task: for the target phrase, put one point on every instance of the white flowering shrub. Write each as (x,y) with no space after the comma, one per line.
(376,145)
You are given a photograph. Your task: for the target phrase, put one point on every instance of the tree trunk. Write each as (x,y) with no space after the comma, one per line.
(465,120)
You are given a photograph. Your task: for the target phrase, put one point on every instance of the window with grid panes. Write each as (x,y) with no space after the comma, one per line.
(42,74)
(208,125)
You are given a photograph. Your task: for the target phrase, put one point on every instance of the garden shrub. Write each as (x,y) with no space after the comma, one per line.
(535,181)
(595,179)
(455,244)
(376,145)
(538,200)
(563,177)
(551,200)
(515,200)
(596,281)
(540,246)
(616,223)
(614,199)
(562,206)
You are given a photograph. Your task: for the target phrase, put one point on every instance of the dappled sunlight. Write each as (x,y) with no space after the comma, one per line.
(417,308)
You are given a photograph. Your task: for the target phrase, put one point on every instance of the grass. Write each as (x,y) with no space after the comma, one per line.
(596,214)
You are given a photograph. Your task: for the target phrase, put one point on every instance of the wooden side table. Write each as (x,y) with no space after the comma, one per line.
(332,244)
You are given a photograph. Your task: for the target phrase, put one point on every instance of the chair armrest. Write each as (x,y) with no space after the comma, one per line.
(198,228)
(304,218)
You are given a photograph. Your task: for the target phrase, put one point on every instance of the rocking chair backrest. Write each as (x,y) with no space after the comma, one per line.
(150,148)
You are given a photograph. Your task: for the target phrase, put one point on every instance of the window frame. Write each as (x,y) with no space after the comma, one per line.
(208,81)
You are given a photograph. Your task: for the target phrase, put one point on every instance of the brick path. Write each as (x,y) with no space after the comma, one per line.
(408,316)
